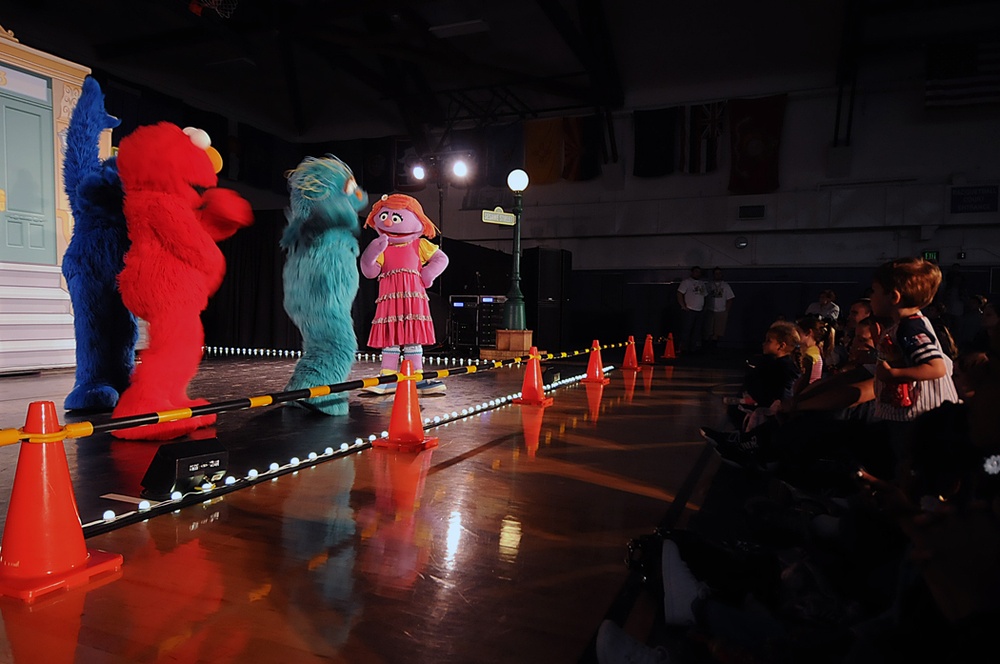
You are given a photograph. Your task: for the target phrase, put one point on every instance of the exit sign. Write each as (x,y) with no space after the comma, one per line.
(931,256)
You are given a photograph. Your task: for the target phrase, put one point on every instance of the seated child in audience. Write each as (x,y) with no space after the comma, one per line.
(815,334)
(770,377)
(860,310)
(849,392)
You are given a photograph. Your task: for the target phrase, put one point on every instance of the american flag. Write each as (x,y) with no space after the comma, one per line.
(701,128)
(962,74)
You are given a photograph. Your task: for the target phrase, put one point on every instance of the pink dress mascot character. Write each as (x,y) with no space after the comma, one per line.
(406,263)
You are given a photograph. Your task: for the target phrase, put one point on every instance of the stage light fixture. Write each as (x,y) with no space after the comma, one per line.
(418,172)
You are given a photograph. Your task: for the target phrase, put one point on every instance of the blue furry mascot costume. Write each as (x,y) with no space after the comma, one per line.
(321,274)
(106,333)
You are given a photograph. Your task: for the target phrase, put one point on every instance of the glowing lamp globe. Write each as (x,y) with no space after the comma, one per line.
(517,180)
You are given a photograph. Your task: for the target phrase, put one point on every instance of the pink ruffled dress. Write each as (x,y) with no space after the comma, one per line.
(402,310)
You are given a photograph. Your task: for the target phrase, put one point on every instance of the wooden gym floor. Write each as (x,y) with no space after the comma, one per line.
(505,543)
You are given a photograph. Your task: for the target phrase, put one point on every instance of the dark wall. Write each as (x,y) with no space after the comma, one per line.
(607,305)
(612,305)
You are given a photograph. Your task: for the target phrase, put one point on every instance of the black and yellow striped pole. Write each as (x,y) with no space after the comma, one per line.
(84,429)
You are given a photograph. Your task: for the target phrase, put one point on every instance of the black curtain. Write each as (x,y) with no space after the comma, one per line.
(247,311)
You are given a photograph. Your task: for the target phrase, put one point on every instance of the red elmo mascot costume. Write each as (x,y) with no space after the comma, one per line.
(175,215)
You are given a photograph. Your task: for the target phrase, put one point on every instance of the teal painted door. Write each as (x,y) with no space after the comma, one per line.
(27,180)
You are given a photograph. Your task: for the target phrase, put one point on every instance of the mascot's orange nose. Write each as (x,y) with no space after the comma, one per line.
(215,157)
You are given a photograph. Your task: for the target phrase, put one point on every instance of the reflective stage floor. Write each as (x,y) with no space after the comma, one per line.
(504,543)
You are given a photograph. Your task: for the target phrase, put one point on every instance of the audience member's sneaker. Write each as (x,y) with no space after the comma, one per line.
(680,587)
(717,437)
(431,386)
(741,448)
(616,646)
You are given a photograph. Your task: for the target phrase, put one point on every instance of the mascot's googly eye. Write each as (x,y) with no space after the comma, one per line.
(199,137)
(383,216)
(397,219)
(350,187)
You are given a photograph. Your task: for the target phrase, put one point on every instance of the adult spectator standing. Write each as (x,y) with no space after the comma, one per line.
(825,307)
(720,301)
(691,298)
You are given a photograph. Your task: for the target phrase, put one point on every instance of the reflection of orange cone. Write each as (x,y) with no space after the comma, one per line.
(630,361)
(668,350)
(399,480)
(43,548)
(532,392)
(647,351)
(531,423)
(406,429)
(595,370)
(594,394)
(629,375)
(46,631)
(668,372)
(647,381)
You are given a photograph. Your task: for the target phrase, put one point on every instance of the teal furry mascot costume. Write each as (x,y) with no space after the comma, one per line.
(106,333)
(321,274)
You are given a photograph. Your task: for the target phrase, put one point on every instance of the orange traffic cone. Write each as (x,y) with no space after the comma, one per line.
(647,351)
(531,424)
(629,375)
(668,350)
(630,361)
(43,548)
(595,369)
(595,391)
(532,392)
(406,429)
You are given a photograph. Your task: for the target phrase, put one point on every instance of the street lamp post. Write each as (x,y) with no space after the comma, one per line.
(513,310)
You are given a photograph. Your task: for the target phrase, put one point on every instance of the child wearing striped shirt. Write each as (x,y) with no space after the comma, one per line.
(912,375)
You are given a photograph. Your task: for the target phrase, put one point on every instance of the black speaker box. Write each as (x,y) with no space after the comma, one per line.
(545,283)
(183,467)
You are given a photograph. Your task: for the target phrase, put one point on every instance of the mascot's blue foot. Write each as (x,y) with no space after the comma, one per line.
(91,397)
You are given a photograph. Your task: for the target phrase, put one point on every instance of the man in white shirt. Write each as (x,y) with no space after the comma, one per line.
(719,300)
(691,298)
(825,307)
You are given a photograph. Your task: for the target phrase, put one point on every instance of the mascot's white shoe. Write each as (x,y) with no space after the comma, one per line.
(431,386)
(384,388)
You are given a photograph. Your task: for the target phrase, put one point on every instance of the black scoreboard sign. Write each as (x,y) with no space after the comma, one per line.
(977,198)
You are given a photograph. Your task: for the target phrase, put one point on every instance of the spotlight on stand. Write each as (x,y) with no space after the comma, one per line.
(418,172)
(183,467)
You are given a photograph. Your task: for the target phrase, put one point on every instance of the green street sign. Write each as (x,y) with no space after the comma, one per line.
(498,216)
